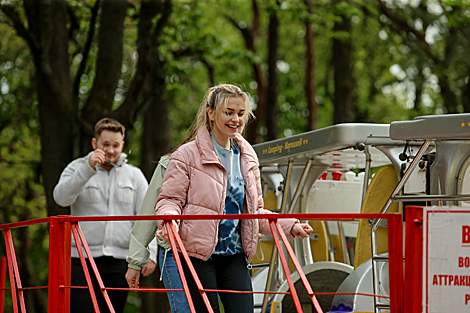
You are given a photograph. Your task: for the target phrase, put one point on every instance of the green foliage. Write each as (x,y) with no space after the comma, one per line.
(20,186)
(21,189)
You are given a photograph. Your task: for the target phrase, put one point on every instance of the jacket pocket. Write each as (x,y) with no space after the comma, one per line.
(125,192)
(91,193)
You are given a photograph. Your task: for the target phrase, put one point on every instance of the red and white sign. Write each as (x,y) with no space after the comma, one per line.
(446,252)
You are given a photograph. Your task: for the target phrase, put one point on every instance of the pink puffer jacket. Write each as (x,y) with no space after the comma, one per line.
(195,183)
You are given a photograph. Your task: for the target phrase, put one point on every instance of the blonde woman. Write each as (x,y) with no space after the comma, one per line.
(216,171)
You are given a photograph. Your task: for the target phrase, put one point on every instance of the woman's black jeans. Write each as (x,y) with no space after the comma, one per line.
(224,273)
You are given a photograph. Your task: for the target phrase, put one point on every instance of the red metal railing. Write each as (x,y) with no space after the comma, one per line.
(61,228)
(414,259)
(3,277)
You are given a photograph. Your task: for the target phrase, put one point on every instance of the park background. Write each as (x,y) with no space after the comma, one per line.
(308,64)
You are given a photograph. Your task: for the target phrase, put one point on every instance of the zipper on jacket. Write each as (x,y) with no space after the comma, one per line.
(253,253)
(248,264)
(222,203)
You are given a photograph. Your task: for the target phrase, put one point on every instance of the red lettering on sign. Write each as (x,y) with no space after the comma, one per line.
(464,261)
(465,234)
(467,298)
(462,280)
(434,280)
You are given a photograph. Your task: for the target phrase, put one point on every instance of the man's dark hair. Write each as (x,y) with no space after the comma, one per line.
(109,124)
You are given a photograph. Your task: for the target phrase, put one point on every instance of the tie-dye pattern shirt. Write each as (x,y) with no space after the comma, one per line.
(229,242)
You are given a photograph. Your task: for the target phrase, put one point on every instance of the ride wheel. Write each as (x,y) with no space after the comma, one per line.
(323,279)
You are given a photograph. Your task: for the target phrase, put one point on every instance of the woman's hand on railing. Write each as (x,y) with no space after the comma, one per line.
(301,230)
(162,233)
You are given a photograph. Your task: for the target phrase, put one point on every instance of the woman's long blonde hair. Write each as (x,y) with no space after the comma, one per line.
(216,98)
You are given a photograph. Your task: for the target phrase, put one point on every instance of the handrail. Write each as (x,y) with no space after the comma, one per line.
(62,226)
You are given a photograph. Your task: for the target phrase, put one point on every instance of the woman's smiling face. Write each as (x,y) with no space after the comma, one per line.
(227,121)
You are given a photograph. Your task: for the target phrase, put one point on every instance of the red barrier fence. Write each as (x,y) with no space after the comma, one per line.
(62,227)
(414,259)
(3,277)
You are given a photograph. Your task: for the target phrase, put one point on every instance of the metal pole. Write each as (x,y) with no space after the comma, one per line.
(365,183)
(274,254)
(344,246)
(285,195)
(300,186)
(431,197)
(400,185)
(375,224)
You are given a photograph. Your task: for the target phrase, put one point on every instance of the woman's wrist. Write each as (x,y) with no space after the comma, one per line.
(296,222)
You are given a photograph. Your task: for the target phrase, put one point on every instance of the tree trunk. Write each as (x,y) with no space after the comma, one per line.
(250,36)
(448,94)
(271,98)
(419,83)
(343,73)
(449,97)
(466,97)
(310,81)
(156,138)
(47,23)
(154,302)
(108,67)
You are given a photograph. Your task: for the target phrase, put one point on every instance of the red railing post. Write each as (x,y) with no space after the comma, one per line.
(277,230)
(414,259)
(175,238)
(79,237)
(395,254)
(3,277)
(59,265)
(17,294)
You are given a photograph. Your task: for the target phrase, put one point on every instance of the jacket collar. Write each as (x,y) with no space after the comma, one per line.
(122,159)
(206,148)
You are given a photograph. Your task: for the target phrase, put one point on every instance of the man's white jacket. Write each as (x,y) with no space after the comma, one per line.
(99,192)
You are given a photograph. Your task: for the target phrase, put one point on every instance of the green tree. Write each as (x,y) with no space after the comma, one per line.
(84,70)
(434,35)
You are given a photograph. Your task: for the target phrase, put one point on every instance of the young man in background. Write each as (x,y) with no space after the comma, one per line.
(100,184)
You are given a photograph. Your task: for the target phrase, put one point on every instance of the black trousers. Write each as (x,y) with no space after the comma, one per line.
(224,273)
(112,272)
